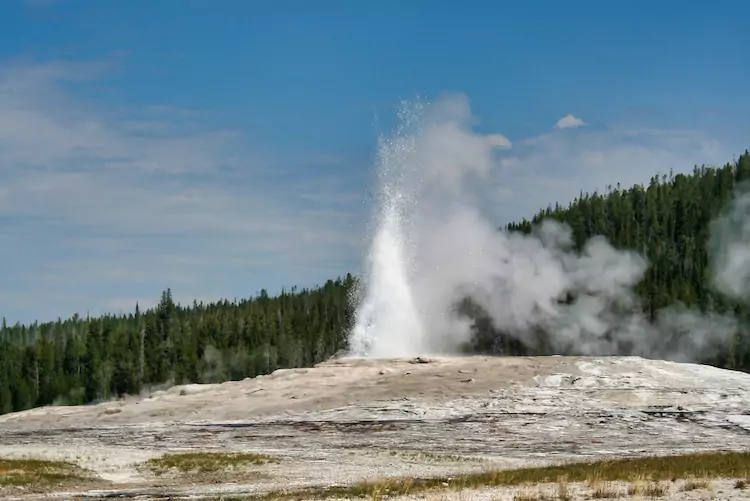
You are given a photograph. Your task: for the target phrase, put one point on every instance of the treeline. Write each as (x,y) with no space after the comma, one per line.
(85,360)
(79,360)
(667,221)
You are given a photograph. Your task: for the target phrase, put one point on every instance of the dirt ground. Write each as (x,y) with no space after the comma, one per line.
(350,420)
(719,490)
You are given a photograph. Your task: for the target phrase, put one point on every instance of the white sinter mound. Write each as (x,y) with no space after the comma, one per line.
(478,412)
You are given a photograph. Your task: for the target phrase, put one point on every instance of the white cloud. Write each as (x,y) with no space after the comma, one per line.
(100,204)
(558,165)
(569,122)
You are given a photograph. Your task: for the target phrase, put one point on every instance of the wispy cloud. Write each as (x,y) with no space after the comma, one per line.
(102,204)
(118,204)
(556,166)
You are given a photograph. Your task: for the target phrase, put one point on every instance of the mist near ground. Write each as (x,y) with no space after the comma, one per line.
(434,246)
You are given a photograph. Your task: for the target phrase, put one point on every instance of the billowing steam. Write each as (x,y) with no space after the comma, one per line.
(729,247)
(434,247)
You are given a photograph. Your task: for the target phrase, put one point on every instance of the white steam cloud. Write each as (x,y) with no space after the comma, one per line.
(729,247)
(434,247)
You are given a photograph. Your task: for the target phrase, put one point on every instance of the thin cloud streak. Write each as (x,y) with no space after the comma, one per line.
(556,166)
(101,204)
(120,208)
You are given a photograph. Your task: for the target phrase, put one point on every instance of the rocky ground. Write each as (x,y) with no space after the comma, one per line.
(719,490)
(349,420)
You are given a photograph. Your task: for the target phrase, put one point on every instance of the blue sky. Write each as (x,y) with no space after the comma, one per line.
(221,147)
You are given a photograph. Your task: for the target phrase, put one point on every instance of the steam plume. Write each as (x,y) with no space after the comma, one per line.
(433,247)
(729,247)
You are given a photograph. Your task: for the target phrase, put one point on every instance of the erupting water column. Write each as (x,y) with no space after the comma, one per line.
(387,322)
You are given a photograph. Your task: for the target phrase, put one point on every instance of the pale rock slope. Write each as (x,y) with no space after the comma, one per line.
(352,419)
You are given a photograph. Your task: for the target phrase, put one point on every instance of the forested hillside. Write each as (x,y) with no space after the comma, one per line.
(667,221)
(81,360)
(84,360)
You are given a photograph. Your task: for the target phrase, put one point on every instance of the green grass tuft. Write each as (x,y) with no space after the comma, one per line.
(205,462)
(38,472)
(647,472)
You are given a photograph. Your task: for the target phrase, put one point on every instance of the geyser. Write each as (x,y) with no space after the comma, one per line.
(433,246)
(387,321)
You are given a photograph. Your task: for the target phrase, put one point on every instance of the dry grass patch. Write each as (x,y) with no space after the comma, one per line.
(694,484)
(536,496)
(647,489)
(39,472)
(563,490)
(656,490)
(646,472)
(604,490)
(740,484)
(205,462)
(562,494)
